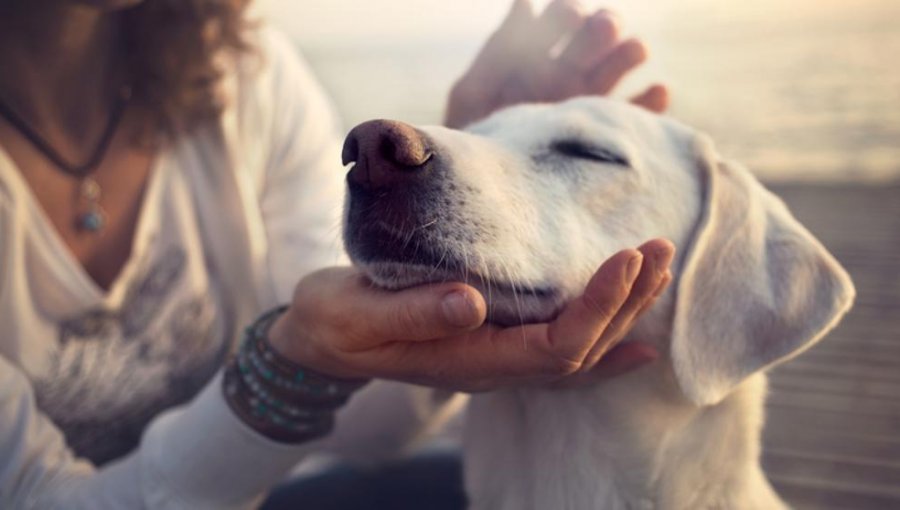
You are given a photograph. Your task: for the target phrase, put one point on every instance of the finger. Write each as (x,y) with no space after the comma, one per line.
(544,350)
(520,12)
(655,99)
(658,254)
(572,335)
(591,44)
(482,359)
(537,73)
(498,57)
(663,285)
(619,360)
(506,41)
(418,313)
(624,358)
(559,19)
(623,58)
(515,91)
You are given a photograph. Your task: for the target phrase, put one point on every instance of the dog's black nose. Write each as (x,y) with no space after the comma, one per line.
(386,152)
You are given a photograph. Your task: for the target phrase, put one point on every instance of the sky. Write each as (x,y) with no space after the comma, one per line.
(331,22)
(315,21)
(792,87)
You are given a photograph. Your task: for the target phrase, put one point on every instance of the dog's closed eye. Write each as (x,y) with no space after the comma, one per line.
(582,150)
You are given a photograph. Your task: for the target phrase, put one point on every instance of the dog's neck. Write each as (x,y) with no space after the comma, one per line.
(622,444)
(629,442)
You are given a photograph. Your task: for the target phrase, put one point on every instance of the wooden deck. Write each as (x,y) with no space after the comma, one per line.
(832,439)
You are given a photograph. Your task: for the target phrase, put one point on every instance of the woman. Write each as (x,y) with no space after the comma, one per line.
(166,175)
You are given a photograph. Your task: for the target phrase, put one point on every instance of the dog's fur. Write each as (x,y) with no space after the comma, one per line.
(525,206)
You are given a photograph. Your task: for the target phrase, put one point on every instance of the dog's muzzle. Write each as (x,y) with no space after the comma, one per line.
(394,187)
(408,221)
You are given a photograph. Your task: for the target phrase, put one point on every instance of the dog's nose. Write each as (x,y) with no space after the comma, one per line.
(386,152)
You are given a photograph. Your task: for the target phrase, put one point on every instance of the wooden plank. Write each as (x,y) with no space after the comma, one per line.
(832,437)
(840,443)
(816,494)
(876,476)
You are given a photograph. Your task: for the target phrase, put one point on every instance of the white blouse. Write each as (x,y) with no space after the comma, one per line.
(115,359)
(233,216)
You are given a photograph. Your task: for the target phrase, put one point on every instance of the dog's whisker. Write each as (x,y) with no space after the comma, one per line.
(465,254)
(425,225)
(416,250)
(487,276)
(437,267)
(335,235)
(447,264)
(409,237)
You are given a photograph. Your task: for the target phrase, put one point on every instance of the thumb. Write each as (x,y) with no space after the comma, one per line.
(423,313)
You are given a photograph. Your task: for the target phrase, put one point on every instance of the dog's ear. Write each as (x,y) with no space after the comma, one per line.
(756,288)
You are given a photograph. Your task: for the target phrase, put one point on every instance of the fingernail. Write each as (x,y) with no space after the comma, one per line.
(459,310)
(634,267)
(663,258)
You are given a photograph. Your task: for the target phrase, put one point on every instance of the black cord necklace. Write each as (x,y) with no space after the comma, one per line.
(93,219)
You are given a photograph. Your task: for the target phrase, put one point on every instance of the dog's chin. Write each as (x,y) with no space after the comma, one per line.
(509,303)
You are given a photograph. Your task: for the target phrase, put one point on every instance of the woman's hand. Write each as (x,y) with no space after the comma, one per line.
(434,335)
(518,63)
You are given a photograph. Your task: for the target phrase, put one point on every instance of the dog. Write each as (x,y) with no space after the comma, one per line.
(525,205)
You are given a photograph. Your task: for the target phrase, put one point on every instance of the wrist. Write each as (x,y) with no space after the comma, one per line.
(289,338)
(282,334)
(277,397)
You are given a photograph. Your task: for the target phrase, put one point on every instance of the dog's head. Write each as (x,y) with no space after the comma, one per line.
(526,204)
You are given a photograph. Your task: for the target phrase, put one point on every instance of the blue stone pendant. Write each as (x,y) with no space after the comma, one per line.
(94,219)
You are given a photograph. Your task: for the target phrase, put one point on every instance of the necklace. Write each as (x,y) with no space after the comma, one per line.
(93,217)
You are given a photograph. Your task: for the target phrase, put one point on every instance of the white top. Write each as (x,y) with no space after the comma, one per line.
(233,216)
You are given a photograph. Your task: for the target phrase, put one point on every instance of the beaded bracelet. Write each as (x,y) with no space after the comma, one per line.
(277,397)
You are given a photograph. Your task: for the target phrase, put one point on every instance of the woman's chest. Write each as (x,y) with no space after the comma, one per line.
(95,212)
(104,361)
(109,369)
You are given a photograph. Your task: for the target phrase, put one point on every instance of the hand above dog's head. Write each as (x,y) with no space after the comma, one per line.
(526,204)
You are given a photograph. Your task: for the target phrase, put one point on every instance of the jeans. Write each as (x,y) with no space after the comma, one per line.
(426,482)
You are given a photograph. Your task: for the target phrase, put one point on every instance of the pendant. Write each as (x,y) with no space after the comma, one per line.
(94,219)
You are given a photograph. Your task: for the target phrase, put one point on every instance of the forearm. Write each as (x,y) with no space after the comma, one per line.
(198,456)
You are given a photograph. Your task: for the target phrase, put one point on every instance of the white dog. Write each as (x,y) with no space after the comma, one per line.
(526,205)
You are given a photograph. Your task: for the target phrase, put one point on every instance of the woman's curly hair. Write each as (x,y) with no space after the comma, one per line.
(173,50)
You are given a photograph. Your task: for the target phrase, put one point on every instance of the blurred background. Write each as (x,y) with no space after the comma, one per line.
(805,92)
(796,89)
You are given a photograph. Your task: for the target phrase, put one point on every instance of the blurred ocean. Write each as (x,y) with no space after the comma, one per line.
(796,90)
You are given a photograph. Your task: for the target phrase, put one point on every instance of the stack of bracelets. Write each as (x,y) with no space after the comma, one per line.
(278,398)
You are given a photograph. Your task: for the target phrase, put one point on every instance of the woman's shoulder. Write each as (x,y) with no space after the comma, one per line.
(271,57)
(274,100)
(274,79)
